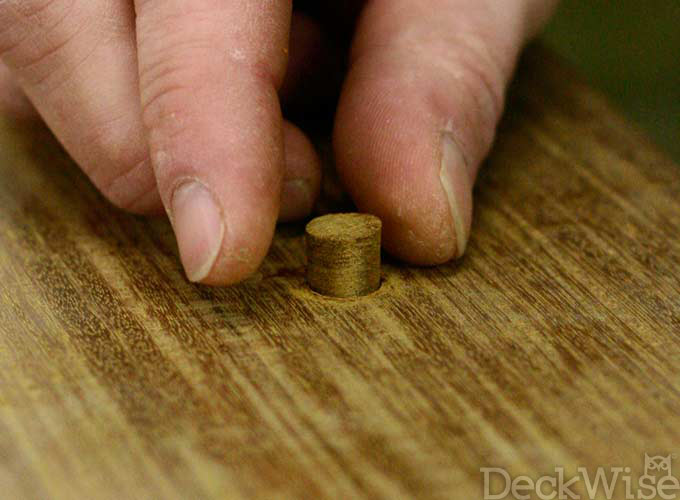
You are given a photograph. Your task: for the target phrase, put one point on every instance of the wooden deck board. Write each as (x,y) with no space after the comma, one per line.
(554,342)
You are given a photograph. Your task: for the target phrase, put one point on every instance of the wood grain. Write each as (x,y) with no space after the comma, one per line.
(554,342)
(343,253)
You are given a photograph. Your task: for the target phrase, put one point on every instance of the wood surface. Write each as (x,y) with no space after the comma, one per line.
(554,342)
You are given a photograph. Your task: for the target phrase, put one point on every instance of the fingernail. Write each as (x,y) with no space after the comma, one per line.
(199,227)
(296,199)
(453,171)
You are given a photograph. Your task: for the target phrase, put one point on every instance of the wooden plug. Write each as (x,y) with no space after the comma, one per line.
(343,254)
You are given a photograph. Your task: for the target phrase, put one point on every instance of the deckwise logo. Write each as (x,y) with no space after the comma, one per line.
(658,481)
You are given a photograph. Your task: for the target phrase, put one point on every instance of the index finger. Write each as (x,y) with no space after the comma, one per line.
(209,73)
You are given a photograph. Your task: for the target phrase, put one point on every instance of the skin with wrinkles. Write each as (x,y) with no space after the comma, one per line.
(173,106)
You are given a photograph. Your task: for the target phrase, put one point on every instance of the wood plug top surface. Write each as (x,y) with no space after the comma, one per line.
(345,227)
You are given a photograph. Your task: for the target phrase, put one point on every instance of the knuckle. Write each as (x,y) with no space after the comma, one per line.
(50,39)
(483,72)
(484,81)
(467,61)
(465,58)
(32,8)
(171,84)
(178,64)
(162,103)
(170,76)
(34,45)
(34,11)
(29,26)
(200,34)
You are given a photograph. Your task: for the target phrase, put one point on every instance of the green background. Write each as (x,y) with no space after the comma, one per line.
(631,50)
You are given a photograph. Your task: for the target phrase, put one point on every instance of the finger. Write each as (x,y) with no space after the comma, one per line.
(76,61)
(302,175)
(419,111)
(13,101)
(302,178)
(209,74)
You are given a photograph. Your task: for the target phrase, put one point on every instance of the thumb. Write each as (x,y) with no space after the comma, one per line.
(419,111)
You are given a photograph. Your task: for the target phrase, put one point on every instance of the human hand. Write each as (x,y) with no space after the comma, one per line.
(175,104)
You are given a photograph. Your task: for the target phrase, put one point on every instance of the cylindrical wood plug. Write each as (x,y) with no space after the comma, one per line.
(343,254)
